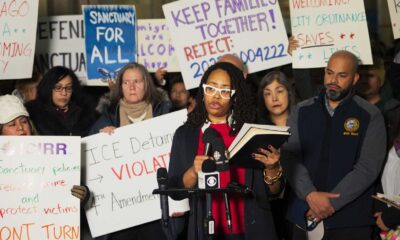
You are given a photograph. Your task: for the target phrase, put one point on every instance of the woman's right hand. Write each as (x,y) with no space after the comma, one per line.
(109,130)
(191,175)
(198,162)
(293,45)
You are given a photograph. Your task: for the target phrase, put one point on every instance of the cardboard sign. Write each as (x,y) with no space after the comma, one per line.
(121,171)
(155,48)
(324,27)
(110,39)
(60,42)
(36,177)
(203,31)
(18,21)
(394,10)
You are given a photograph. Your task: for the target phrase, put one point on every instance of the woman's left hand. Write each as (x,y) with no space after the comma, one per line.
(267,157)
(79,192)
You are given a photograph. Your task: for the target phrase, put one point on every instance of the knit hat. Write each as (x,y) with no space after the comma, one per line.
(10,108)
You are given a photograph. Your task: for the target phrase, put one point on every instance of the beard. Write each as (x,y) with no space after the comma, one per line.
(339,94)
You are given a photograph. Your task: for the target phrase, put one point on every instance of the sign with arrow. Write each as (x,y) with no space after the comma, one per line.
(324,27)
(121,172)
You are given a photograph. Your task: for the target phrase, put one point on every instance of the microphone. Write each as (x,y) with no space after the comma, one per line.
(236,187)
(209,136)
(220,156)
(162,179)
(208,179)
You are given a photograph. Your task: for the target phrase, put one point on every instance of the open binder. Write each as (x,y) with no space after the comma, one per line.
(254,136)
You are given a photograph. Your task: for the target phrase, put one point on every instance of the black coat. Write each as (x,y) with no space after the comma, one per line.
(48,121)
(258,218)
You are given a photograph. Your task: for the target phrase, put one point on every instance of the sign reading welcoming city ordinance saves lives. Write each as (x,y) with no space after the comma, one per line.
(394,10)
(36,177)
(324,27)
(121,171)
(203,31)
(18,21)
(110,39)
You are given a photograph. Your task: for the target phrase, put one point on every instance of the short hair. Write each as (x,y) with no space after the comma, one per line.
(347,54)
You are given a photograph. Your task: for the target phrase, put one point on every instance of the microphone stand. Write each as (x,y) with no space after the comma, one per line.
(195,193)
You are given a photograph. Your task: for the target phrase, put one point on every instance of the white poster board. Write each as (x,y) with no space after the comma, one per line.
(36,177)
(322,28)
(203,31)
(121,171)
(61,42)
(18,21)
(155,49)
(394,10)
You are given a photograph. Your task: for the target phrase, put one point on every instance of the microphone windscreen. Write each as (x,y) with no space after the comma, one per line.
(209,135)
(208,166)
(162,175)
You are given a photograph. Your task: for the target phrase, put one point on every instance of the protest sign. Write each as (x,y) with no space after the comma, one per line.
(394,10)
(36,177)
(110,40)
(121,171)
(60,42)
(18,21)
(203,31)
(155,49)
(324,27)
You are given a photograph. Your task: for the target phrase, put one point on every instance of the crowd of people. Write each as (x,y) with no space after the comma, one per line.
(344,144)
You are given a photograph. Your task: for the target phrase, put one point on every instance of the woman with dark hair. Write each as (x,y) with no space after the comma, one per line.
(60,108)
(134,99)
(224,103)
(274,99)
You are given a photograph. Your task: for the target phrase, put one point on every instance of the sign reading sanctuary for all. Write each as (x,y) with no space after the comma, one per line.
(110,39)
(36,177)
(121,171)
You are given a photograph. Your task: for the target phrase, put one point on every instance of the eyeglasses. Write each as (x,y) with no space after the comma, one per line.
(225,93)
(59,88)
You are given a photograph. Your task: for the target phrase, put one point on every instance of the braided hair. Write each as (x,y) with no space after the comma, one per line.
(241,104)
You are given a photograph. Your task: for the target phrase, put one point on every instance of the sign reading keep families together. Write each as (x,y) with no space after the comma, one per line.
(202,31)
(36,177)
(324,27)
(18,21)
(111,39)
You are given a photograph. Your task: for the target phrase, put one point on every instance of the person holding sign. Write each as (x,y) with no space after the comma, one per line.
(134,99)
(224,103)
(61,108)
(14,119)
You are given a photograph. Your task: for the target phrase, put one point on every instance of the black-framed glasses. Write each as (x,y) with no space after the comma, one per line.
(225,93)
(59,88)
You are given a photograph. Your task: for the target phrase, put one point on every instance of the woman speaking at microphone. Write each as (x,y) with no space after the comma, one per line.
(225,104)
